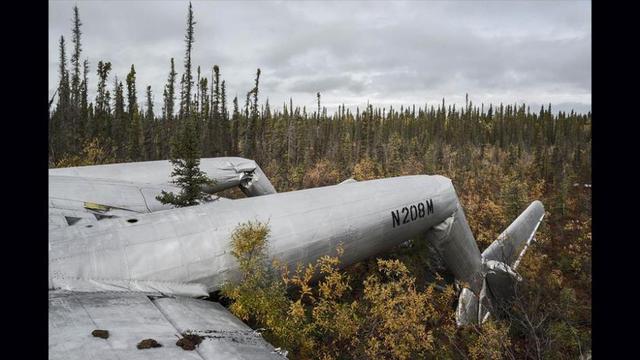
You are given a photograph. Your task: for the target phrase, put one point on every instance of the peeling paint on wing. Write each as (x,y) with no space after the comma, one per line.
(243,336)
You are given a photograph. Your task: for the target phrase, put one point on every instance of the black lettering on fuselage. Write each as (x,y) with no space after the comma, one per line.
(412,212)
(396,218)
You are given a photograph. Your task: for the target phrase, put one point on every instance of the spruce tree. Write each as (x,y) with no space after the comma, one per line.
(75,58)
(165,95)
(102,125)
(84,103)
(195,106)
(248,134)
(187,82)
(251,110)
(224,120)
(170,98)
(148,129)
(215,134)
(76,85)
(235,133)
(204,115)
(168,112)
(119,119)
(59,121)
(185,158)
(204,99)
(196,99)
(134,116)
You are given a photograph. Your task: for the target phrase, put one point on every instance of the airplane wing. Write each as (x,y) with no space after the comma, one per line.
(130,317)
(226,172)
(86,194)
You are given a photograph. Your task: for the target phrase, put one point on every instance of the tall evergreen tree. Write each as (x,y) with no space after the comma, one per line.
(134,116)
(224,121)
(149,145)
(215,134)
(149,114)
(59,129)
(170,98)
(249,150)
(63,85)
(102,119)
(247,145)
(187,82)
(204,115)
(235,126)
(165,95)
(84,102)
(119,119)
(196,99)
(168,124)
(75,58)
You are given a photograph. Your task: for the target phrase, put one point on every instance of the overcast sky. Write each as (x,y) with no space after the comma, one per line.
(384,52)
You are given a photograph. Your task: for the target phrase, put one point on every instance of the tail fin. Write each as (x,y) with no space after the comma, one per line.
(499,262)
(514,241)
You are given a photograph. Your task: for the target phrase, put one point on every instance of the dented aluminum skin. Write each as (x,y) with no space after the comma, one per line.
(188,249)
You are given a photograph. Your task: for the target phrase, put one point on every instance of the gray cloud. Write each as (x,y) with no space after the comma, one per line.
(352,52)
(326,84)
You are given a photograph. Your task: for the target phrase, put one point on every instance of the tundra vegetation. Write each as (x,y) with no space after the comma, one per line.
(400,305)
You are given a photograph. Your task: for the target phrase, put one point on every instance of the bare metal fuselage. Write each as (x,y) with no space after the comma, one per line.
(187,250)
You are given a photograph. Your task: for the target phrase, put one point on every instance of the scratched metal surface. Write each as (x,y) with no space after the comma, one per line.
(226,337)
(191,245)
(132,317)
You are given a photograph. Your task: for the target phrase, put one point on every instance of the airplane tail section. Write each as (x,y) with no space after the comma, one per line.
(489,278)
(514,241)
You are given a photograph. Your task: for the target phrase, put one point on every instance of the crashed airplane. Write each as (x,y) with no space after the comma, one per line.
(122,261)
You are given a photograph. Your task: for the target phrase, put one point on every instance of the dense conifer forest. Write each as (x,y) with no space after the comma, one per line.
(499,156)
